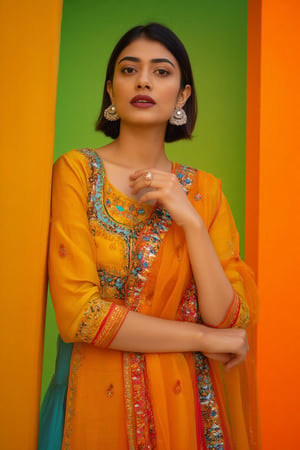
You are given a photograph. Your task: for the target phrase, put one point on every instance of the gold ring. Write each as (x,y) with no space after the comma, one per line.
(148,177)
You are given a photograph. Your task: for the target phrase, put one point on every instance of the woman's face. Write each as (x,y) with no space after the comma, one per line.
(146,84)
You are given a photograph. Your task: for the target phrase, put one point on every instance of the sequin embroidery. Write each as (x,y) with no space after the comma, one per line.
(140,419)
(210,413)
(188,312)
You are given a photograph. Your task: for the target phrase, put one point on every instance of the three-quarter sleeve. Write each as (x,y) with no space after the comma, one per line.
(225,239)
(82,316)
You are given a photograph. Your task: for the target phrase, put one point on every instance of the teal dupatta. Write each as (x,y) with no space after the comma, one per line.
(52,414)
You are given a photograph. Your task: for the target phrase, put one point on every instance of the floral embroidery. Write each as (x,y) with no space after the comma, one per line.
(62,250)
(198,196)
(149,298)
(177,387)
(118,206)
(178,251)
(110,391)
(210,413)
(111,285)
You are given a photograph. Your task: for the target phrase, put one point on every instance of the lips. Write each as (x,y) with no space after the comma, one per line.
(142,101)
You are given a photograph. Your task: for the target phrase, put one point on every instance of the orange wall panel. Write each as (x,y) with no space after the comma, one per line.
(277,234)
(253,133)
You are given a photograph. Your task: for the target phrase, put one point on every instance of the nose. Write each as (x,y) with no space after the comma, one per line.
(144,85)
(143,81)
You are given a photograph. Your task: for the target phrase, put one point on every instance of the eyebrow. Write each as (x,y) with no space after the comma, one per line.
(154,60)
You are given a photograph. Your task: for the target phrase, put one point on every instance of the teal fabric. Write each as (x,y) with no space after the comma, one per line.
(53,407)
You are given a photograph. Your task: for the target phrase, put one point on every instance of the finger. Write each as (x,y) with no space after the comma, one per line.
(232,363)
(235,360)
(221,357)
(141,172)
(157,182)
(150,197)
(218,356)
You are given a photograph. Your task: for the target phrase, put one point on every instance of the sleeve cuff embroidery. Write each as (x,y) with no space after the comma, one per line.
(100,322)
(237,315)
(110,326)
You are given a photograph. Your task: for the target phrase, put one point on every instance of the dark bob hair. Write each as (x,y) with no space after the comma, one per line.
(162,34)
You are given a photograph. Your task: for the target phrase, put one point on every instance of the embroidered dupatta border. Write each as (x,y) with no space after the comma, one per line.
(149,242)
(140,420)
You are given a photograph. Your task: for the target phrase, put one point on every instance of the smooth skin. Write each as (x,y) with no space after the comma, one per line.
(147,68)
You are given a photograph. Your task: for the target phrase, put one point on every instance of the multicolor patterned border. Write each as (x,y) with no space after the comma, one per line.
(209,408)
(140,420)
(149,242)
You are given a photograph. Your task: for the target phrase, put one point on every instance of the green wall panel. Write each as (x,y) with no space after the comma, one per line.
(215,35)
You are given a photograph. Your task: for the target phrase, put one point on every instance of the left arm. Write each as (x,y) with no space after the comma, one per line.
(214,281)
(215,293)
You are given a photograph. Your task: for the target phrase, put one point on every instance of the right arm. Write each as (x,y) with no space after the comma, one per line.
(146,334)
(82,316)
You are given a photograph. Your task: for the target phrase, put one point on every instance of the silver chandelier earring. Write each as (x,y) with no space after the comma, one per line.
(111,114)
(178,117)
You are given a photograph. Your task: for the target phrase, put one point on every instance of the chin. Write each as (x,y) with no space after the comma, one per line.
(145,121)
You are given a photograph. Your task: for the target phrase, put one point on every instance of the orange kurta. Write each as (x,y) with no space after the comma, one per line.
(110,254)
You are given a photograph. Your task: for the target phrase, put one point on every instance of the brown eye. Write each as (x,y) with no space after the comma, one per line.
(162,72)
(128,70)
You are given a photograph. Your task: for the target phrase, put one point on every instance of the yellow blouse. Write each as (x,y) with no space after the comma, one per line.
(109,254)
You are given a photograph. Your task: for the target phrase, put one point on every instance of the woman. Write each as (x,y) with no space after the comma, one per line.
(146,279)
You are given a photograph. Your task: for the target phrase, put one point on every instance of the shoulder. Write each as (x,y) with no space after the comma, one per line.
(76,157)
(208,182)
(204,182)
(79,162)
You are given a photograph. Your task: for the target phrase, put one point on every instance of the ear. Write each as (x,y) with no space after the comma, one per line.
(110,90)
(183,95)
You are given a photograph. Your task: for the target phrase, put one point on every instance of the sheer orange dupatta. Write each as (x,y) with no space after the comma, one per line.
(161,295)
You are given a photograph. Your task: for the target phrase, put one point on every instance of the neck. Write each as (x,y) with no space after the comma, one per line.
(142,147)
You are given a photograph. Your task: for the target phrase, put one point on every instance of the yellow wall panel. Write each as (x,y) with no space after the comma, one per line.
(29,35)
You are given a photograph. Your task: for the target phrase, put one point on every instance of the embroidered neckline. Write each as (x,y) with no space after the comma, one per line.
(121,208)
(114,188)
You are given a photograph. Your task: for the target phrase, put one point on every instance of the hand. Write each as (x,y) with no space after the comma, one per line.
(165,188)
(234,340)
(228,359)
